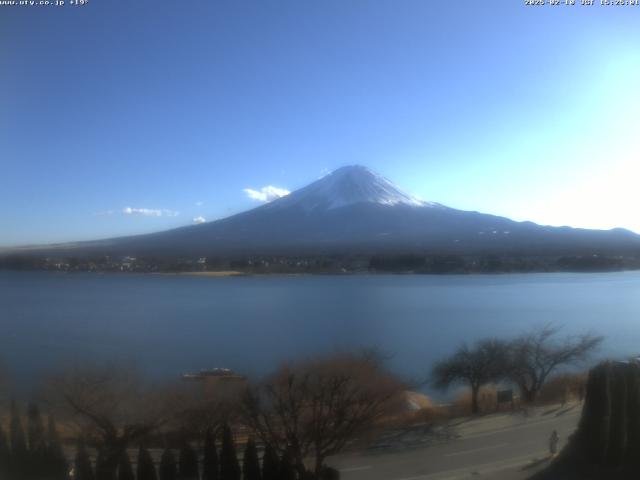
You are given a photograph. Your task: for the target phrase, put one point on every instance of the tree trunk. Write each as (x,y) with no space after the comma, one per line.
(527,394)
(301,469)
(298,461)
(318,465)
(475,408)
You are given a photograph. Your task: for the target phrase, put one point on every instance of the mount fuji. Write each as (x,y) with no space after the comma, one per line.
(355,211)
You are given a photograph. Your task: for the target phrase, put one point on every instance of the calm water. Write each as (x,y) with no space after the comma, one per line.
(172,324)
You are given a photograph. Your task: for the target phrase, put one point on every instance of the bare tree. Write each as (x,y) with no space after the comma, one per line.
(110,404)
(208,409)
(314,408)
(535,355)
(475,366)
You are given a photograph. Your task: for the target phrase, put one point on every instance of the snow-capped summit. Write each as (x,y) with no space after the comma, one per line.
(349,185)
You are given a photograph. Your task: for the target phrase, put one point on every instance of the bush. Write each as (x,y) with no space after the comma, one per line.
(287,469)
(188,463)
(270,464)
(56,460)
(229,466)
(168,468)
(146,468)
(329,473)
(210,467)
(82,464)
(5,454)
(251,464)
(19,462)
(125,470)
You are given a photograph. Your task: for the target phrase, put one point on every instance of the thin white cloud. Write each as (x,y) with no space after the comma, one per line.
(199,219)
(105,213)
(199,204)
(266,194)
(149,212)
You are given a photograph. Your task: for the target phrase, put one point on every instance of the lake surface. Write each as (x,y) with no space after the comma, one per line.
(168,325)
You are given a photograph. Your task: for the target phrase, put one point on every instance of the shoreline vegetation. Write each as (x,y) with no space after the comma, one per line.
(423,264)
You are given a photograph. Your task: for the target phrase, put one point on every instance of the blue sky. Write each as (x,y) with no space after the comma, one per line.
(124,117)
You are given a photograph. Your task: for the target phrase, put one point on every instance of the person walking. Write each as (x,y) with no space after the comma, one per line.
(553,443)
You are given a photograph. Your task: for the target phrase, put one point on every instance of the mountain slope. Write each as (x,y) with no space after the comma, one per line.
(353,210)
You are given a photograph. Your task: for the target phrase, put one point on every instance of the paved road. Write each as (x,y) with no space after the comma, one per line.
(485,453)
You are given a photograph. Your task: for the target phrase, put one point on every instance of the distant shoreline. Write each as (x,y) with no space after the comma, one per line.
(390,263)
(235,273)
(222,273)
